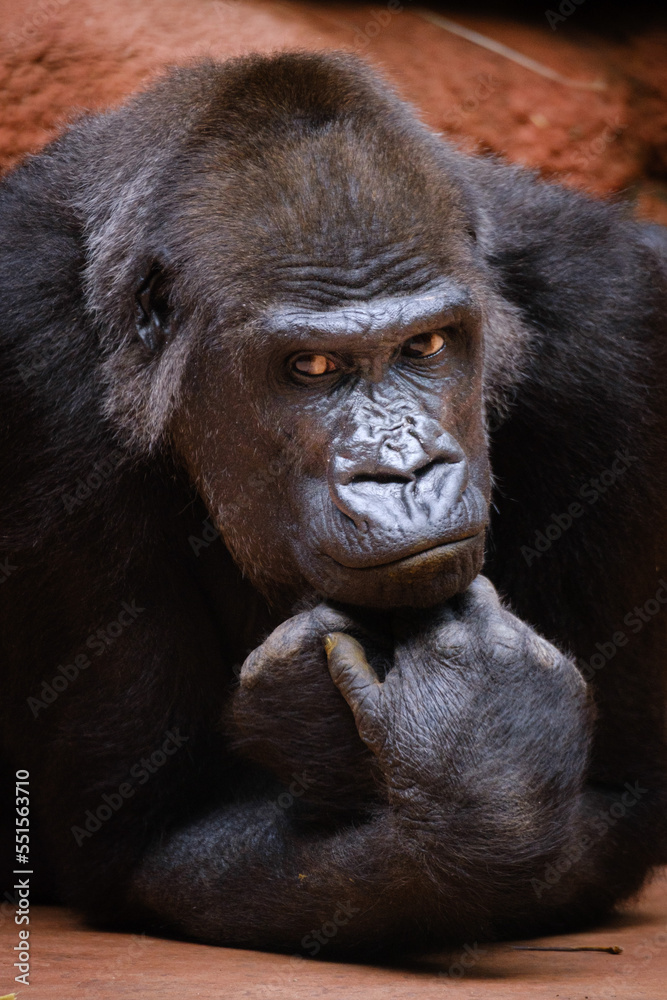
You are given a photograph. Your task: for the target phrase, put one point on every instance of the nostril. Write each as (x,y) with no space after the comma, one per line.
(424,470)
(389,476)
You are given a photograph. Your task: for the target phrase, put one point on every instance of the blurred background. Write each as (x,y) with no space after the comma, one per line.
(574,88)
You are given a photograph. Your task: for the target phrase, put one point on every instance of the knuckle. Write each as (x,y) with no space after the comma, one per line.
(326,619)
(286,641)
(451,640)
(252,669)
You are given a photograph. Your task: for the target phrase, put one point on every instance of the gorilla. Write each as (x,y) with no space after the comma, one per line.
(333,523)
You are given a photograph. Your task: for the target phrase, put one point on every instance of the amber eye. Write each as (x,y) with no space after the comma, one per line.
(313,364)
(424,345)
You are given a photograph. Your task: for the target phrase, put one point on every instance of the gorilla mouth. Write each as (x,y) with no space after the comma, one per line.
(396,537)
(419,555)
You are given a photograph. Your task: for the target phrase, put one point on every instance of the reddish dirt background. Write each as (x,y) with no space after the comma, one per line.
(59,57)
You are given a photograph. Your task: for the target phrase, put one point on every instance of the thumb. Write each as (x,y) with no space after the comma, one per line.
(354,677)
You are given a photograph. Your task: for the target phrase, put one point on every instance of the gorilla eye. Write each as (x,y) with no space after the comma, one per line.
(424,345)
(312,364)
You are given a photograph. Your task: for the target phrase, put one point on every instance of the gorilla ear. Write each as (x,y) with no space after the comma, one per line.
(153,314)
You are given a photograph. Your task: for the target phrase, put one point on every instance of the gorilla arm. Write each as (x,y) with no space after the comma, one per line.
(480,732)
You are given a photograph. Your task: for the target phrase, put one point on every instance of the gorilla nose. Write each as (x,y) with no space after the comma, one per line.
(396,477)
(401,459)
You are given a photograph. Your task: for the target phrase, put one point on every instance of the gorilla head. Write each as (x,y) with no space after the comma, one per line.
(331,416)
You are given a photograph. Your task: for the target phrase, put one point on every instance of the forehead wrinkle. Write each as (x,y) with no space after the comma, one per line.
(326,285)
(386,318)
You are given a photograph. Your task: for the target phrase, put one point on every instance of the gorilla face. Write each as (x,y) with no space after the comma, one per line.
(332,418)
(357,458)
(394,497)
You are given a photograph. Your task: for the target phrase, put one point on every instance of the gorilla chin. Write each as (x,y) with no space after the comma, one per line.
(421,580)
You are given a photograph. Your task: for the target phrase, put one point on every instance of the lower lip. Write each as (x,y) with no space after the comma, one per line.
(437,552)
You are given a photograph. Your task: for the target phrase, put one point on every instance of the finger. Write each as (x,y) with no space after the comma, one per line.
(287,642)
(327,619)
(251,671)
(353,676)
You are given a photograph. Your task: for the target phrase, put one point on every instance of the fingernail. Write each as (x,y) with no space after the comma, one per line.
(328,642)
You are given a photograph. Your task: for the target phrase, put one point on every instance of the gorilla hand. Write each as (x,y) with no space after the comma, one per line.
(480,729)
(288,715)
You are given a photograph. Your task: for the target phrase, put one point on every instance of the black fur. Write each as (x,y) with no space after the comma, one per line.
(153,261)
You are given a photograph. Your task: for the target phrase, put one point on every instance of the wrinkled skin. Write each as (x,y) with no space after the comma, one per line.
(297,402)
(443,702)
(380,479)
